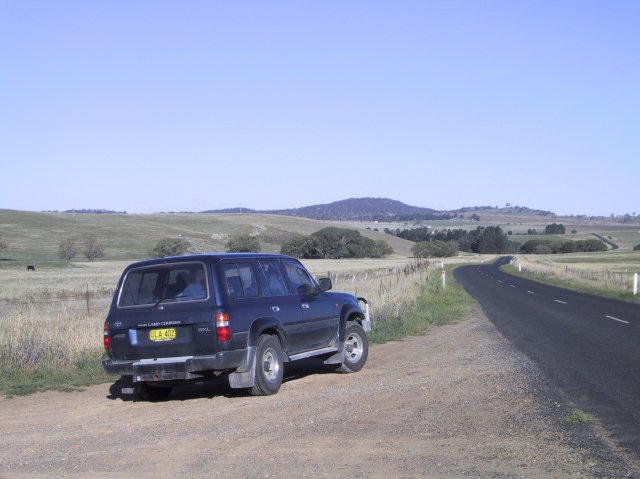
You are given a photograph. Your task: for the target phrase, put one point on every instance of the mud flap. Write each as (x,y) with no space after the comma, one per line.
(337,358)
(244,377)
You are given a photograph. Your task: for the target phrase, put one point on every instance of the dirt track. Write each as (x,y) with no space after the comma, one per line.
(458,402)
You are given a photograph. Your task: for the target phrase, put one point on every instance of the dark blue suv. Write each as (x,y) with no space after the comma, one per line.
(196,317)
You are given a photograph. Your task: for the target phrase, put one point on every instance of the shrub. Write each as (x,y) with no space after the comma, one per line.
(93,249)
(590,245)
(171,247)
(636,247)
(434,249)
(68,249)
(243,244)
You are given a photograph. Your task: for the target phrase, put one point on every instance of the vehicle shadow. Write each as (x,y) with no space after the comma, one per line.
(218,386)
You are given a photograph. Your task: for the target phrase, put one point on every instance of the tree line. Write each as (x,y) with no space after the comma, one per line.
(489,240)
(328,242)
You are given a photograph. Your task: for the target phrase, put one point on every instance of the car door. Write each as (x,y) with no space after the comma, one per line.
(320,313)
(282,304)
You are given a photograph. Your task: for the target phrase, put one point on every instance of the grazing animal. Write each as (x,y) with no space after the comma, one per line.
(31,267)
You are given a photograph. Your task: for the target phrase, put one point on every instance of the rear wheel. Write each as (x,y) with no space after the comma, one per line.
(356,349)
(269,366)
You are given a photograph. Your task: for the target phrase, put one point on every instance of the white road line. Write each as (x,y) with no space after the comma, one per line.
(561,302)
(617,319)
(531,292)
(513,286)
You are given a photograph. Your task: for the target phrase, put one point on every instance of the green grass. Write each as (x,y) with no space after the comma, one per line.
(86,372)
(434,306)
(577,416)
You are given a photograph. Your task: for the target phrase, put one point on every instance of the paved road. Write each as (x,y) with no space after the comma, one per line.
(587,345)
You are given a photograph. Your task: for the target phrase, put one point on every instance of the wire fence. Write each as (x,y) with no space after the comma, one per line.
(98,302)
(619,281)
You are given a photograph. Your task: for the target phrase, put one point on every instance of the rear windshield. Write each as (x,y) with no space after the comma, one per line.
(164,283)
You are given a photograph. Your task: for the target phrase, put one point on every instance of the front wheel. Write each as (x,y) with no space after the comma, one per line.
(356,349)
(269,366)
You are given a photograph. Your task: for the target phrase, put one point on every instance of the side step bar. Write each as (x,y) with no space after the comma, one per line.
(315,352)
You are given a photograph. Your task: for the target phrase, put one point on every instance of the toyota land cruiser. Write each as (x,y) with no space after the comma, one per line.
(195,317)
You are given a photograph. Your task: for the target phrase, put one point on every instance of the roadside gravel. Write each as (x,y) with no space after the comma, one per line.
(458,402)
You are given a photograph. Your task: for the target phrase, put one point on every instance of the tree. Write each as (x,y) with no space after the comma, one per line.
(636,247)
(554,229)
(381,249)
(93,249)
(475,217)
(343,243)
(301,246)
(171,247)
(490,239)
(243,244)
(68,249)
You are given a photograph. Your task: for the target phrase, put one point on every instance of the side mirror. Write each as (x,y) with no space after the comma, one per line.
(325,284)
(306,290)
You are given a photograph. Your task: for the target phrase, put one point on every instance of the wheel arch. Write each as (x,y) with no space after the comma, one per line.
(266,325)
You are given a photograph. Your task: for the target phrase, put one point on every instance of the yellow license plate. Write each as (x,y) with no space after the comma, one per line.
(167,334)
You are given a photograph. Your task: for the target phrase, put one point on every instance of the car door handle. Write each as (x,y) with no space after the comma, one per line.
(305,306)
(275,309)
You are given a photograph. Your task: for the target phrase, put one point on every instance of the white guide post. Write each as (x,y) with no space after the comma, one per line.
(444,279)
(519,267)
(635,283)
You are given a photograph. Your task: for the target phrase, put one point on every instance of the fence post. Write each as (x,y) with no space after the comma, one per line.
(87,298)
(635,284)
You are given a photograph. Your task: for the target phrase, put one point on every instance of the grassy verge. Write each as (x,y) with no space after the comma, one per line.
(550,278)
(433,306)
(17,382)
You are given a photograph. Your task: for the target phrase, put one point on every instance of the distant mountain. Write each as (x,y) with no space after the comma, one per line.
(358,209)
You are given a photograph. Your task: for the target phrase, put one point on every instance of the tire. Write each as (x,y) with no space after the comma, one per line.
(356,349)
(154,393)
(269,366)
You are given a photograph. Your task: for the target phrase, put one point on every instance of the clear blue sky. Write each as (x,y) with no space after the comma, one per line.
(151,106)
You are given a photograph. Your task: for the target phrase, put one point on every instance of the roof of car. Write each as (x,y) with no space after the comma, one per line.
(205,257)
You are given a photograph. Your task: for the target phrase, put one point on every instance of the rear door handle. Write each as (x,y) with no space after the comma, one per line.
(275,309)
(305,306)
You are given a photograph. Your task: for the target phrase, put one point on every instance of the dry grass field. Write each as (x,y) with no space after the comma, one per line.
(51,329)
(609,272)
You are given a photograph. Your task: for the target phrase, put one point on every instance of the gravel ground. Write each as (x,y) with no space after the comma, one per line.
(459,402)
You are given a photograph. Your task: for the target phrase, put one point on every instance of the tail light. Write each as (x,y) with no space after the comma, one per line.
(106,339)
(222,327)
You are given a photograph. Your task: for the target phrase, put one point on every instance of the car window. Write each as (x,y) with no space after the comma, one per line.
(164,283)
(240,280)
(297,275)
(276,285)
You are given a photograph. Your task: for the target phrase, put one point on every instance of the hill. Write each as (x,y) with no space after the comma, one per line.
(34,237)
(355,209)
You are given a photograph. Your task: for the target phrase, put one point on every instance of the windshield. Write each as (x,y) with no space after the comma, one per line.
(164,283)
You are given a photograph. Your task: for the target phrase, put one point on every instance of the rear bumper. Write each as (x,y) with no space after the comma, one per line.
(184,367)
